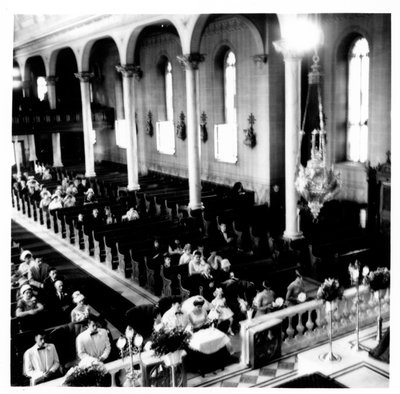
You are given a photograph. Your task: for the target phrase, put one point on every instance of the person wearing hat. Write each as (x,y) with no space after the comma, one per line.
(27,305)
(26,260)
(294,289)
(262,302)
(90,198)
(41,362)
(82,310)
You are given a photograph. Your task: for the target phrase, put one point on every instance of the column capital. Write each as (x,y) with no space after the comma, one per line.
(51,80)
(191,60)
(287,50)
(130,70)
(84,76)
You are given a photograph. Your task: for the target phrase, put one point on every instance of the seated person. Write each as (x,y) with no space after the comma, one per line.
(69,200)
(131,215)
(48,283)
(90,198)
(108,216)
(175,317)
(38,272)
(262,302)
(175,247)
(82,310)
(294,289)
(41,362)
(224,313)
(46,176)
(56,201)
(26,260)
(198,316)
(59,302)
(196,265)
(187,254)
(28,308)
(226,276)
(45,202)
(93,342)
(225,239)
(207,282)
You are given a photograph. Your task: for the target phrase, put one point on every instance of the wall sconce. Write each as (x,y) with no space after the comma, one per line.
(149,124)
(203,127)
(181,127)
(249,136)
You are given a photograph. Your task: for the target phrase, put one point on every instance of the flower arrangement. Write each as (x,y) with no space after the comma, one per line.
(91,373)
(278,302)
(166,341)
(301,297)
(330,290)
(378,279)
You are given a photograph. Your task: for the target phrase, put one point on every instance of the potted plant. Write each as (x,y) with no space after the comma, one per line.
(89,373)
(377,280)
(329,292)
(170,344)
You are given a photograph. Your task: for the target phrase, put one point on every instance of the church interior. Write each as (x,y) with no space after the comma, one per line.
(221,178)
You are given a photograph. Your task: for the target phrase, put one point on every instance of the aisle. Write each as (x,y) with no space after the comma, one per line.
(103,298)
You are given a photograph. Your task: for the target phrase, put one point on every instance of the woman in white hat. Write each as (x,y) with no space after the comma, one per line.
(26,260)
(90,198)
(27,304)
(82,310)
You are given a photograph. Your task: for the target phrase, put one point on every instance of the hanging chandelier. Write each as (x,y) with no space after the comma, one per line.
(316,183)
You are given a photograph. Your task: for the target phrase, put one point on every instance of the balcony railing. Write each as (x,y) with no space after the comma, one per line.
(59,120)
(305,325)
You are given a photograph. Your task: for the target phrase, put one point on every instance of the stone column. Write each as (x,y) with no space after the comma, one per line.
(51,91)
(84,78)
(32,148)
(17,157)
(191,63)
(292,60)
(26,85)
(55,139)
(128,71)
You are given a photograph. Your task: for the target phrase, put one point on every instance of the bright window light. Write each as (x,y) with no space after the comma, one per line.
(121,136)
(225,142)
(358,99)
(41,88)
(165,137)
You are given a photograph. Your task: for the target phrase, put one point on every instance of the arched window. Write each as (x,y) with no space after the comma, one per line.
(165,135)
(358,98)
(168,91)
(41,88)
(230,87)
(226,134)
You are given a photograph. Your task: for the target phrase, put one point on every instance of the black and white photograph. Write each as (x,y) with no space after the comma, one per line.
(201,195)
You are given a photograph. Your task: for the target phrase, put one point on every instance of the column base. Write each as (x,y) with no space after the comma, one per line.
(90,174)
(196,207)
(292,235)
(133,187)
(58,164)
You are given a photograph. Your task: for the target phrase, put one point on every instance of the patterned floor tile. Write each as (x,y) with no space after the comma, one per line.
(267,371)
(286,365)
(251,379)
(228,384)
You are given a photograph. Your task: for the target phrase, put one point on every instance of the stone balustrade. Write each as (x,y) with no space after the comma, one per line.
(305,325)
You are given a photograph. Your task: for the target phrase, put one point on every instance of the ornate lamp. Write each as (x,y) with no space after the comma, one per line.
(316,183)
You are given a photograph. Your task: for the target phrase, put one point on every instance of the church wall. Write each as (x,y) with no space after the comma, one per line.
(376,29)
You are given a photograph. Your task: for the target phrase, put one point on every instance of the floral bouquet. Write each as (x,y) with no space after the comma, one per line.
(89,373)
(378,279)
(330,290)
(301,297)
(166,341)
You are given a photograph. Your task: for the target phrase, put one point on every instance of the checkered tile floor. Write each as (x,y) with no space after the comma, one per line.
(262,376)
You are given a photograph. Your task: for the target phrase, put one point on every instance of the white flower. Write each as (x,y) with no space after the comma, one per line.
(129,333)
(278,302)
(138,340)
(121,342)
(365,270)
(301,297)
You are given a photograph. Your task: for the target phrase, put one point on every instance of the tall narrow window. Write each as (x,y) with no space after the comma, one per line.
(168,92)
(358,98)
(226,134)
(165,135)
(41,88)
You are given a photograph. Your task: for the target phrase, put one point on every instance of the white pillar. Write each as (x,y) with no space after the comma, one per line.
(32,147)
(17,156)
(26,85)
(191,64)
(56,142)
(128,71)
(84,78)
(51,91)
(292,128)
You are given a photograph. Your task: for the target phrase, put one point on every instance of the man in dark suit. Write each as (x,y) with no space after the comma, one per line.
(60,303)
